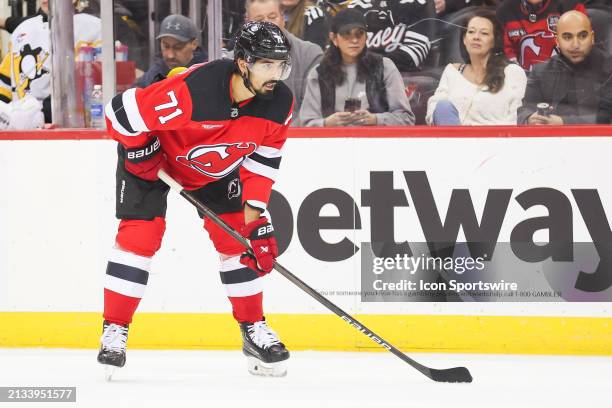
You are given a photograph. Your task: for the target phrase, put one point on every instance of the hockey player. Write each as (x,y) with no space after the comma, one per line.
(400,30)
(218,129)
(530,27)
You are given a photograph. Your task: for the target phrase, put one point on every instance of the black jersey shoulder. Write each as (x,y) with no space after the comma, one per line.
(209,89)
(275,109)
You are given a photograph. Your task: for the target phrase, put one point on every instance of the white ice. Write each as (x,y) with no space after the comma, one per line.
(153,378)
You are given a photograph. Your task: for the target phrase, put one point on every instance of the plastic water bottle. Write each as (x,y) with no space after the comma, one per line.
(96,116)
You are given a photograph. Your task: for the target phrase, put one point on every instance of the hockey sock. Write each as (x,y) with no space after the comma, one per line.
(244,290)
(126,279)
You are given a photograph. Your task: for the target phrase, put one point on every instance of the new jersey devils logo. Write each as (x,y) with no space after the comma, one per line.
(217,160)
(536,48)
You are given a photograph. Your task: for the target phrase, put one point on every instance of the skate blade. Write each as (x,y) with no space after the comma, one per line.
(258,367)
(109,370)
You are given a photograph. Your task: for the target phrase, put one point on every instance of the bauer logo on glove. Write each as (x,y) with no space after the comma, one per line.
(265,249)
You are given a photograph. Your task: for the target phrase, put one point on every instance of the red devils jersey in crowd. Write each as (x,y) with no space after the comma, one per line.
(203,134)
(529,35)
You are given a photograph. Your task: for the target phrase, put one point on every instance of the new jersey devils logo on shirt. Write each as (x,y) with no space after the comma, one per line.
(217,160)
(537,47)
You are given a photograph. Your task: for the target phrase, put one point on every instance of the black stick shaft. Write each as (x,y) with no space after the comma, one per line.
(302,285)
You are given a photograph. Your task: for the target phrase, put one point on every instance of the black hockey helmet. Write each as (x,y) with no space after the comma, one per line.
(261,39)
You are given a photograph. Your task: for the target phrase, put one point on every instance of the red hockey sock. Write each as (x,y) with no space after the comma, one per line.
(118,308)
(247,308)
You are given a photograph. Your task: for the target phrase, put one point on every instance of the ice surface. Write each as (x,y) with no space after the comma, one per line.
(153,378)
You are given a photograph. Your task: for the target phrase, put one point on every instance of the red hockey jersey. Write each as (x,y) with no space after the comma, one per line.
(529,37)
(202,132)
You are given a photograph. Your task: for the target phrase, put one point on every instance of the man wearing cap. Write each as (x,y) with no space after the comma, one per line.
(178,38)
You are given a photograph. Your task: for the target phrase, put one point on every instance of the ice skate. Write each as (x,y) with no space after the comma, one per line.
(266,355)
(112,349)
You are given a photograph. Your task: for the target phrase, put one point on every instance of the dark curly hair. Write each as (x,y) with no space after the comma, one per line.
(497,62)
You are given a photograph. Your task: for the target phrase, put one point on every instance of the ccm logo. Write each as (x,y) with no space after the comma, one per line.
(143,152)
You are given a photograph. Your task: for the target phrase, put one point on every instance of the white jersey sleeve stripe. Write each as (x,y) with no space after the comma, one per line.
(269,152)
(261,169)
(132,112)
(417,36)
(110,114)
(416,58)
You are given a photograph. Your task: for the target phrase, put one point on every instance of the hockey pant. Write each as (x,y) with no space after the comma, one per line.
(141,206)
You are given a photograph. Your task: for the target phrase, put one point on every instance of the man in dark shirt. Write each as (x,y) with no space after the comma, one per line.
(570,83)
(178,37)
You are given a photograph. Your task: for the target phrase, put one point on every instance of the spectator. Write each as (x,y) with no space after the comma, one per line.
(304,54)
(25,69)
(399,29)
(130,25)
(332,7)
(232,19)
(353,86)
(445,7)
(178,37)
(305,20)
(570,83)
(10,23)
(530,26)
(485,91)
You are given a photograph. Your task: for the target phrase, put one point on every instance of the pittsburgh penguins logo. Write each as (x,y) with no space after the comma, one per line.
(30,62)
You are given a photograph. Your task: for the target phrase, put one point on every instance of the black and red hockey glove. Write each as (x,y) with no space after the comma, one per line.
(145,161)
(261,234)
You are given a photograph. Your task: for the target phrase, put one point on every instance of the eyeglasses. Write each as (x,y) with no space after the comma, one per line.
(271,69)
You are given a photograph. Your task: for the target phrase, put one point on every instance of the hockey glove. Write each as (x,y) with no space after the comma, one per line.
(145,161)
(261,234)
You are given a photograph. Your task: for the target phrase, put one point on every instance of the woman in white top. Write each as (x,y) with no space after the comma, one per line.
(488,89)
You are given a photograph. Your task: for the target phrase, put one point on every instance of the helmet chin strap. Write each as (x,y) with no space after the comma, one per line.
(247,81)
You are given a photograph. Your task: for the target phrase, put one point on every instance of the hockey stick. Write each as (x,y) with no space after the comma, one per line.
(456,374)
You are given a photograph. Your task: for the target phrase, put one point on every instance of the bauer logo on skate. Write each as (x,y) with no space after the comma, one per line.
(217,160)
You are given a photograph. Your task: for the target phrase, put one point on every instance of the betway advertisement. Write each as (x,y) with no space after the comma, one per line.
(451,220)
(378,225)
